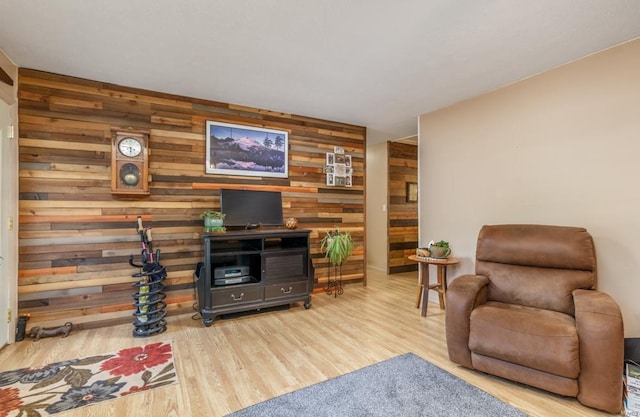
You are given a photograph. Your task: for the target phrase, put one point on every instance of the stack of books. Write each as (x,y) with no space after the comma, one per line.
(632,389)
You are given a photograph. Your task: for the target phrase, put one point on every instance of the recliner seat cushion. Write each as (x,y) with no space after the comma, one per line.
(540,339)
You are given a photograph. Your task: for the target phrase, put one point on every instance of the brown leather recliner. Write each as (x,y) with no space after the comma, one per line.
(531,314)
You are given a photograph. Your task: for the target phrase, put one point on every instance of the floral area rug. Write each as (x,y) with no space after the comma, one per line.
(62,386)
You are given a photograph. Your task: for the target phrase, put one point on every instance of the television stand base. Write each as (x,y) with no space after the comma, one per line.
(256,311)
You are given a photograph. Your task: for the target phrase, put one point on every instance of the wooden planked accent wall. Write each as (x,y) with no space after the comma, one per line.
(75,237)
(402,216)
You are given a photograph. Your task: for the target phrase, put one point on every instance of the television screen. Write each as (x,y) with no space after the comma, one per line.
(250,208)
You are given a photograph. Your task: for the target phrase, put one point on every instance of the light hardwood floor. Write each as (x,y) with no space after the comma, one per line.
(239,362)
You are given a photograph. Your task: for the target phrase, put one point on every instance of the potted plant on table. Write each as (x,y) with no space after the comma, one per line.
(439,249)
(337,247)
(213,221)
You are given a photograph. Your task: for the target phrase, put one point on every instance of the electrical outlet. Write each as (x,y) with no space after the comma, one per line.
(10,225)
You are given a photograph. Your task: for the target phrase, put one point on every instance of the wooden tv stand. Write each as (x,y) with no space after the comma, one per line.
(274,265)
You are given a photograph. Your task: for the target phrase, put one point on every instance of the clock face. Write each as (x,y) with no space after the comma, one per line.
(130,147)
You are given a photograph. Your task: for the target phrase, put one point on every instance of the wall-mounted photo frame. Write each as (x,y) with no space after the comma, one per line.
(233,149)
(412,192)
(330,158)
(338,168)
(330,180)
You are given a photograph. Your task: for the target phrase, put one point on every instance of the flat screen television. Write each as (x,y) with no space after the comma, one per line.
(251,208)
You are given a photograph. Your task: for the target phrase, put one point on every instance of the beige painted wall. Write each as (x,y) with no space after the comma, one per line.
(9,202)
(560,148)
(376,225)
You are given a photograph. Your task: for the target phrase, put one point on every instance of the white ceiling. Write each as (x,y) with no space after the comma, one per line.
(375,63)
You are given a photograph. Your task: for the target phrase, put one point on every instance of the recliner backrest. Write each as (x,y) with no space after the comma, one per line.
(536,265)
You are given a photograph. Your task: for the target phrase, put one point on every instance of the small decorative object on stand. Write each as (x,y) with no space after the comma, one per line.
(291,223)
(213,221)
(439,250)
(150,314)
(337,247)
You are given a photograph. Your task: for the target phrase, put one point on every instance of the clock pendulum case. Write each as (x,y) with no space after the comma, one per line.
(130,163)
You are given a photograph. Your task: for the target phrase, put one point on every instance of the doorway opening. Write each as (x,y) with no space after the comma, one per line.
(402,204)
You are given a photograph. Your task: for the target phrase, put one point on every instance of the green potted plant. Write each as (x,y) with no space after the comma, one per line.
(213,221)
(337,246)
(439,249)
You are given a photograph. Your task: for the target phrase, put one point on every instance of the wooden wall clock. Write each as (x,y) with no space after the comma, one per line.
(130,163)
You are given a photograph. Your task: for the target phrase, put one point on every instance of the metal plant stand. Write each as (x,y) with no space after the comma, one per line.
(334,281)
(150,314)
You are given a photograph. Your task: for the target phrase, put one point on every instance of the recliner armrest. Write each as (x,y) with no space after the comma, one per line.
(601,336)
(463,295)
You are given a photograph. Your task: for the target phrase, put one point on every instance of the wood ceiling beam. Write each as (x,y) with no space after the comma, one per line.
(5,78)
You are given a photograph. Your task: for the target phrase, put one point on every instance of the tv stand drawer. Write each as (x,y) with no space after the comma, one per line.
(285,289)
(236,295)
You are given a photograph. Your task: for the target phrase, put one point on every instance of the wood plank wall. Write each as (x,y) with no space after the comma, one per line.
(402,215)
(76,237)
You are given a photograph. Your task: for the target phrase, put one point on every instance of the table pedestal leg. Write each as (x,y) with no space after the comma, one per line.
(442,284)
(420,285)
(424,268)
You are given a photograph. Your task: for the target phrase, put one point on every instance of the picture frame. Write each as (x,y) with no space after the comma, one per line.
(412,192)
(330,158)
(233,149)
(330,180)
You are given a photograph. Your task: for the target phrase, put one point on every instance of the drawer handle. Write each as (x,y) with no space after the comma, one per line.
(286,291)
(234,298)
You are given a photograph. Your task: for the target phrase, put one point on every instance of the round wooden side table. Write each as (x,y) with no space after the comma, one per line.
(423,281)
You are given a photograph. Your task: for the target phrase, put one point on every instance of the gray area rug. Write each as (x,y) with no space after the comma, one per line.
(406,385)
